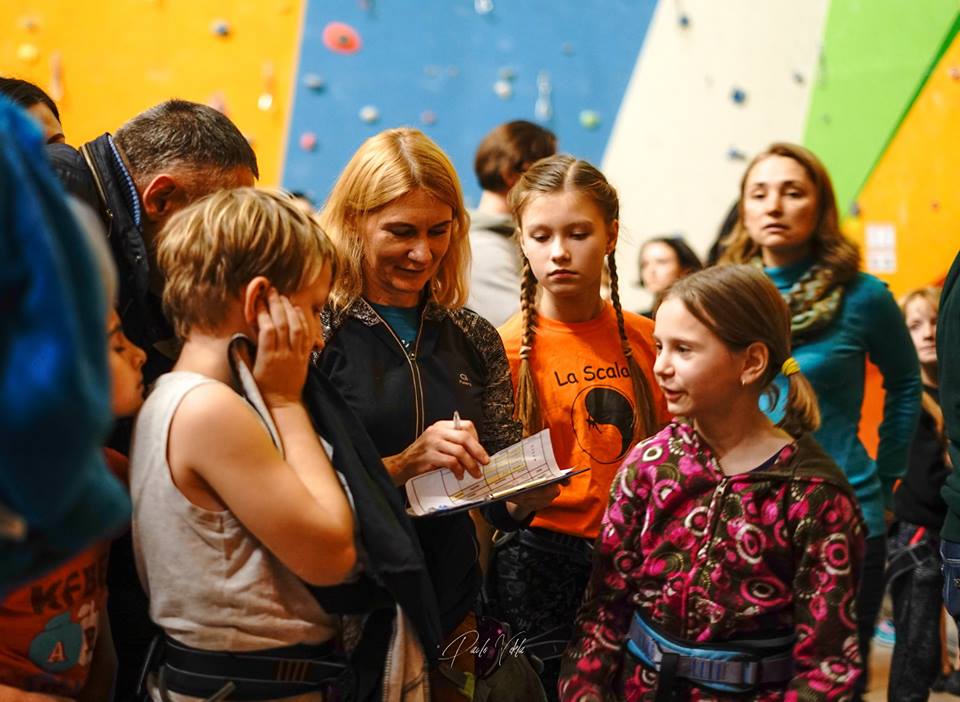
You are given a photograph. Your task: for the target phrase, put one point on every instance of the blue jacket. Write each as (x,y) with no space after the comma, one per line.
(870,325)
(54,382)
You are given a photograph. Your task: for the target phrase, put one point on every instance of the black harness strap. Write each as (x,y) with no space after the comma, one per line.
(667,680)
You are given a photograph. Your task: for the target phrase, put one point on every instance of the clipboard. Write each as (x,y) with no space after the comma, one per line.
(525,465)
(497,496)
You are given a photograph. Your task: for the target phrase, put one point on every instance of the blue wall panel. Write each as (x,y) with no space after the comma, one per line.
(444,57)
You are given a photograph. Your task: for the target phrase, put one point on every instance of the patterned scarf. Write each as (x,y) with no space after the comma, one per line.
(814,300)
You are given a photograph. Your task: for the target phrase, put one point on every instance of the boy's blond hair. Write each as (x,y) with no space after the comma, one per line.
(209,251)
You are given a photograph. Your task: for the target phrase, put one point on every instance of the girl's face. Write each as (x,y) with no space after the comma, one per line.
(697,372)
(921,320)
(403,244)
(659,266)
(565,238)
(780,205)
(126,361)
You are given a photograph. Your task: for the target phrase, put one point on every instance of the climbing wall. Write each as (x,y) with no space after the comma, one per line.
(708,91)
(671,97)
(456,69)
(105,62)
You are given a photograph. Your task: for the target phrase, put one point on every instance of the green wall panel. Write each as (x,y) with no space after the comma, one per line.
(875,56)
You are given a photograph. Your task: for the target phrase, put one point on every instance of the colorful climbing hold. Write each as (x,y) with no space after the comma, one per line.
(428,117)
(314,81)
(503,89)
(738,95)
(27,53)
(589,119)
(369,114)
(735,154)
(220,28)
(341,38)
(308,141)
(483,7)
(543,108)
(684,20)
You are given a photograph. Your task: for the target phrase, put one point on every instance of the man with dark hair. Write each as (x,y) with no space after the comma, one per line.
(157,163)
(502,157)
(38,104)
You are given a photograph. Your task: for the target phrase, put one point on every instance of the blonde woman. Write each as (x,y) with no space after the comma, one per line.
(407,356)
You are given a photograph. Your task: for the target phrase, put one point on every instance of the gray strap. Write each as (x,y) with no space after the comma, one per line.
(249,384)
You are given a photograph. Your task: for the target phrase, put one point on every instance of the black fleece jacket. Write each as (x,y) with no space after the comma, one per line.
(457,364)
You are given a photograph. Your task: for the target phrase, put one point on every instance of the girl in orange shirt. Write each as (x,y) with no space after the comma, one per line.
(582,367)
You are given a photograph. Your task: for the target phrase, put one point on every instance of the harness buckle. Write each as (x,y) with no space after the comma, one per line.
(292,670)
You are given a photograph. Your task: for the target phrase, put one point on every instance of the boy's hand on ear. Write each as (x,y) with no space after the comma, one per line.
(283,350)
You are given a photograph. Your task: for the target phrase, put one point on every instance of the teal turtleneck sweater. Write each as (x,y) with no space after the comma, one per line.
(869,325)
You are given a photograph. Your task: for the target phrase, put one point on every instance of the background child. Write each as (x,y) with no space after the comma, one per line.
(225,527)
(913,568)
(663,260)
(583,368)
(723,527)
(55,633)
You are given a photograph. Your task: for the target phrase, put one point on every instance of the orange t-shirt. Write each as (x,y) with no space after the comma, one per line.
(586,397)
(49,627)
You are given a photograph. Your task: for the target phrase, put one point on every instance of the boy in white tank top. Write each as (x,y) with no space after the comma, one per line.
(228,527)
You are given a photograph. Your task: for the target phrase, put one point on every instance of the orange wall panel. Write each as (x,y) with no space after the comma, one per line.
(120,57)
(914,184)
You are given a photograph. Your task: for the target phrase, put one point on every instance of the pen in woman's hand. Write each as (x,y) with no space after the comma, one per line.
(456,419)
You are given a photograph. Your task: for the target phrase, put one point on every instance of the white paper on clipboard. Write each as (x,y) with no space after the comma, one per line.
(523,466)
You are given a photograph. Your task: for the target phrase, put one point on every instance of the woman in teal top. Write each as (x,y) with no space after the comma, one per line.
(789,226)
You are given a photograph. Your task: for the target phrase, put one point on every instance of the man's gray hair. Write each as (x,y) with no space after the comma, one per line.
(182,133)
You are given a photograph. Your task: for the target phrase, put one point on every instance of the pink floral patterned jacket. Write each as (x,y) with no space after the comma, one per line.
(711,558)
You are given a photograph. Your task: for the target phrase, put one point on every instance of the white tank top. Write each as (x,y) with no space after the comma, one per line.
(212,585)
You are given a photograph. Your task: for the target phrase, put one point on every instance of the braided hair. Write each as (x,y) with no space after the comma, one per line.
(551,175)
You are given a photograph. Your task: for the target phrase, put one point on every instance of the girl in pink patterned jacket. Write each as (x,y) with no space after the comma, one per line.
(729,556)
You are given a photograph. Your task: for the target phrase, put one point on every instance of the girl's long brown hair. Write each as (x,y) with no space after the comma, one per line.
(551,175)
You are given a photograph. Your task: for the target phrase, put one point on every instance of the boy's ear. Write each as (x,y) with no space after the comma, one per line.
(255,292)
(612,234)
(756,358)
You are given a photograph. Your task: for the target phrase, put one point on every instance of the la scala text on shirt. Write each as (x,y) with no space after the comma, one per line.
(590,373)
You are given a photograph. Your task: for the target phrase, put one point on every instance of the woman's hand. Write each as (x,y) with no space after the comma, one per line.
(283,350)
(521,506)
(442,445)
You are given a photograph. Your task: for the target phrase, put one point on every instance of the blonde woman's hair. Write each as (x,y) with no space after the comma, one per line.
(741,306)
(556,174)
(830,246)
(384,168)
(209,251)
(931,294)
